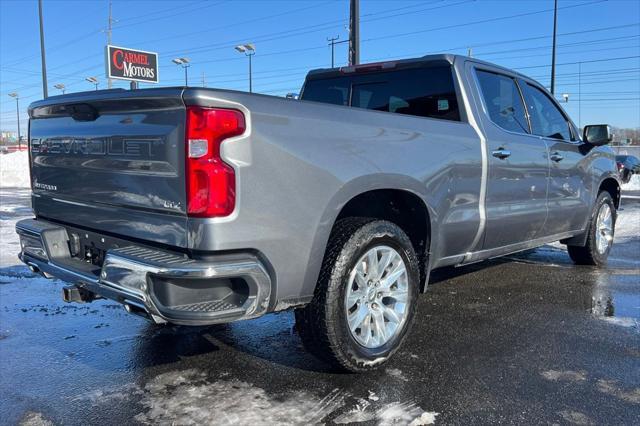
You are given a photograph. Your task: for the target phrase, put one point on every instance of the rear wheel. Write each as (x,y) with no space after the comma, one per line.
(600,234)
(365,298)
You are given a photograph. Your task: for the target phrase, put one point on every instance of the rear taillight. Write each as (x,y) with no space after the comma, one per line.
(211,183)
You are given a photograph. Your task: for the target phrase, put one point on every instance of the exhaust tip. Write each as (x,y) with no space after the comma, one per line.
(137,310)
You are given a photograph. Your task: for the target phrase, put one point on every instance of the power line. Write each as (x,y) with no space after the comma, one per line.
(235,24)
(144,21)
(608,49)
(582,62)
(597,41)
(603,81)
(77,39)
(482,21)
(286,33)
(146,15)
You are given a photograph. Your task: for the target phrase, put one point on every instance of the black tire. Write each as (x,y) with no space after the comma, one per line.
(323,325)
(589,254)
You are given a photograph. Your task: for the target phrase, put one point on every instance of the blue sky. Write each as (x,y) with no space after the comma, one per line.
(598,40)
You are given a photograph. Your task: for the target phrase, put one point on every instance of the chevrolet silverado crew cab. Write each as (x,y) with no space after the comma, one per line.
(198,206)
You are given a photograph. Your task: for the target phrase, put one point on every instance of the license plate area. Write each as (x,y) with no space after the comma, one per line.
(90,247)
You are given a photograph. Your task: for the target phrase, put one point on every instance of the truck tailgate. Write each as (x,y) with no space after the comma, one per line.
(112,161)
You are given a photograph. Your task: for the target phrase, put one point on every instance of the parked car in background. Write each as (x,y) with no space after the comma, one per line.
(628,165)
(198,206)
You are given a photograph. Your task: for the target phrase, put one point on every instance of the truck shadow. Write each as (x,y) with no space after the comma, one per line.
(270,338)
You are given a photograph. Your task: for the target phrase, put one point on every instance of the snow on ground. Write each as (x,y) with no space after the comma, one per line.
(633,184)
(15,204)
(190,397)
(627,222)
(14,170)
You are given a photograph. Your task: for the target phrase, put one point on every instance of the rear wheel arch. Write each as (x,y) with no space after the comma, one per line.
(405,209)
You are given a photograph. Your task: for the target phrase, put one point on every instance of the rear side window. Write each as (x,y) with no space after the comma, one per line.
(503,101)
(331,91)
(546,119)
(423,92)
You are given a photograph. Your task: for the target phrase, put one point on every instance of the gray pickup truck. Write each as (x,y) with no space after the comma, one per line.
(197,206)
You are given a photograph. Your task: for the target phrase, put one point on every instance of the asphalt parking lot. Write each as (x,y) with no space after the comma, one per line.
(529,339)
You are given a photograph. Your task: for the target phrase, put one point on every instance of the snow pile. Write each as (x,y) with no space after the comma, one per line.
(188,397)
(14,170)
(633,184)
(14,205)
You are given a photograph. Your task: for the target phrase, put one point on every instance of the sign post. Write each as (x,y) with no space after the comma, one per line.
(132,65)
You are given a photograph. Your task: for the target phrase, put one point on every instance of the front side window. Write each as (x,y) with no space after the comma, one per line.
(546,119)
(503,101)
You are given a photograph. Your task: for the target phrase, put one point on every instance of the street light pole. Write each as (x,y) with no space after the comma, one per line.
(17,97)
(93,81)
(249,50)
(42,54)
(60,87)
(250,73)
(184,63)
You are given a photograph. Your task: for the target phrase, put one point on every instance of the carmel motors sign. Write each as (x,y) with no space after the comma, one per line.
(133,65)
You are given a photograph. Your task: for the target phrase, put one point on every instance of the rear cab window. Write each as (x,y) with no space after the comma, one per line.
(427,91)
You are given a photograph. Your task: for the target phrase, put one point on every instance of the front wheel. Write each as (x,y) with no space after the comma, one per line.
(366,295)
(600,234)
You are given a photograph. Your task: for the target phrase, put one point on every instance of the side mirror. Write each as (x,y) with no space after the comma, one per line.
(597,134)
(292,96)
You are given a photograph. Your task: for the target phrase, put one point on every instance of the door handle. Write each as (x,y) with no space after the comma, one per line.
(556,157)
(501,153)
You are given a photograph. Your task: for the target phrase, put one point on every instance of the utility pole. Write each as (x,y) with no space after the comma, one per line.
(580,96)
(332,43)
(553,50)
(354,32)
(17,97)
(109,27)
(203,82)
(43,60)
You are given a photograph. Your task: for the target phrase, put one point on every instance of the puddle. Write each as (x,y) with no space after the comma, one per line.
(615,299)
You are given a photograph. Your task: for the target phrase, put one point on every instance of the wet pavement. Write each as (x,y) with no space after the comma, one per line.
(529,339)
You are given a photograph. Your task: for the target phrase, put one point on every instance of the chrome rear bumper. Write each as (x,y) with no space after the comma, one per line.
(167,286)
